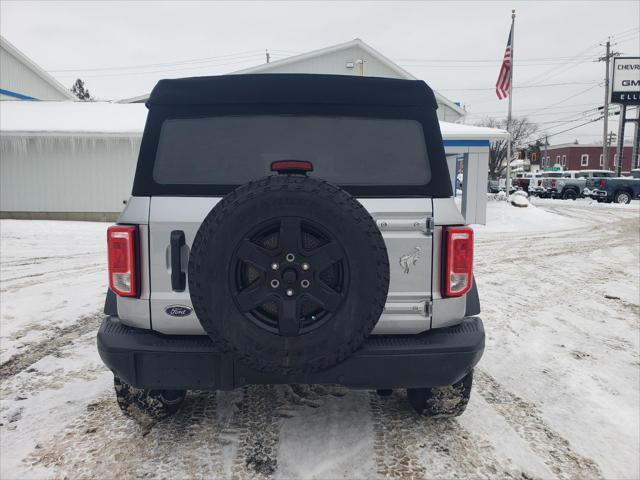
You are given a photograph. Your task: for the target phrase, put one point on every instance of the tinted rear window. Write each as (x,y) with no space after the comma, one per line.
(232,150)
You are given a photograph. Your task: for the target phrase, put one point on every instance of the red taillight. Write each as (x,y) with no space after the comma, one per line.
(121,249)
(602,184)
(458,261)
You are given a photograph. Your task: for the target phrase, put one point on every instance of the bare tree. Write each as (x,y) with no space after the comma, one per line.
(521,132)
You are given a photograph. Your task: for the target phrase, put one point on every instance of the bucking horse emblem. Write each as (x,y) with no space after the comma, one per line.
(409,260)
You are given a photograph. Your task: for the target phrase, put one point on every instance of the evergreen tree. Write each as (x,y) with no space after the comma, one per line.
(80,90)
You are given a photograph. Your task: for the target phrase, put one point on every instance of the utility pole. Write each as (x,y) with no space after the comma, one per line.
(605,150)
(635,152)
(607,58)
(546,154)
(622,120)
(610,139)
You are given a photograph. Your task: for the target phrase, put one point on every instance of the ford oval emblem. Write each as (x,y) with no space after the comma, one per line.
(178,310)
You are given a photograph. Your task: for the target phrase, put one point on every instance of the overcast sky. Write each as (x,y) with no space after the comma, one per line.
(456,47)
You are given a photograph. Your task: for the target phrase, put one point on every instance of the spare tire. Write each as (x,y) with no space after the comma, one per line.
(290,273)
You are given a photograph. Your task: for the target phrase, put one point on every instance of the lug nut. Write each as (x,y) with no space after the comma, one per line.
(289,292)
(275,266)
(275,283)
(305,266)
(290,257)
(304,283)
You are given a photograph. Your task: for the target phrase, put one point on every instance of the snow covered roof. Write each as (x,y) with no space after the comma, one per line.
(71,117)
(458,131)
(43,118)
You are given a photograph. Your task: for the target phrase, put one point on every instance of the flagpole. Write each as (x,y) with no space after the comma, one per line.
(508,179)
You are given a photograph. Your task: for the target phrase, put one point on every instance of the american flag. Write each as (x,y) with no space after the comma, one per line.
(503,85)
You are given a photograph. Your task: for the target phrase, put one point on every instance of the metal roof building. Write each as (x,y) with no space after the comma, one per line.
(76,160)
(22,79)
(351,58)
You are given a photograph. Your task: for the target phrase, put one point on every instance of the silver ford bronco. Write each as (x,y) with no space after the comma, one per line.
(287,229)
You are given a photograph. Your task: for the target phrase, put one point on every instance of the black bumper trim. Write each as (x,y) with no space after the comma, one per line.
(146,359)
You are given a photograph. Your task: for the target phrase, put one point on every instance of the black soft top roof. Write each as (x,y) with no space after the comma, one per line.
(292,88)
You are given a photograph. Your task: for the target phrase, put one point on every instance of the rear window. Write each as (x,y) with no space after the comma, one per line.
(232,150)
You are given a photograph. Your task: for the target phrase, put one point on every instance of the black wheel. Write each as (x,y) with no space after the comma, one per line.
(384,392)
(622,197)
(569,194)
(442,401)
(291,273)
(155,404)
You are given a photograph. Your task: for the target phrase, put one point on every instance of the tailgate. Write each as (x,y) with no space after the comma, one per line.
(405,223)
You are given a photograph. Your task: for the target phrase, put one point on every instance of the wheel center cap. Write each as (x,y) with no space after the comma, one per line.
(289,276)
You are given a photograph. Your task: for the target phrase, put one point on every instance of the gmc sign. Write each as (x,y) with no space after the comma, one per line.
(625,84)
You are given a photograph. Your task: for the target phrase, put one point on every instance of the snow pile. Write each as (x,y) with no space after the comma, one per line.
(72,117)
(502,217)
(519,200)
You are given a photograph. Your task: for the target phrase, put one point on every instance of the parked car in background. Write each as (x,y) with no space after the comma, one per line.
(571,184)
(493,186)
(617,189)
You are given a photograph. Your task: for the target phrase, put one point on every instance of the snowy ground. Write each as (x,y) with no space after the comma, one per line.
(555,396)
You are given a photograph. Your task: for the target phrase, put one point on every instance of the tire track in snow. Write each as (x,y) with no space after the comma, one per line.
(396,439)
(60,337)
(56,272)
(39,260)
(187,444)
(72,273)
(525,418)
(104,443)
(407,445)
(259,427)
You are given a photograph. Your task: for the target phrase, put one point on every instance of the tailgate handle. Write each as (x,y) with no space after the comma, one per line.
(178,278)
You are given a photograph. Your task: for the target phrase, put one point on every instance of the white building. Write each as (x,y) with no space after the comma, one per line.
(22,79)
(76,160)
(350,58)
(68,160)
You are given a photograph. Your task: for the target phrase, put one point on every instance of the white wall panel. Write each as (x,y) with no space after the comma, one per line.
(18,77)
(66,173)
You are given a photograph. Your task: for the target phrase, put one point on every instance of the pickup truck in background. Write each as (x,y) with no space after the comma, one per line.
(535,182)
(571,184)
(618,189)
(537,186)
(522,181)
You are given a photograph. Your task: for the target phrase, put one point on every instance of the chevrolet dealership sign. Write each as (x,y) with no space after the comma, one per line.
(625,85)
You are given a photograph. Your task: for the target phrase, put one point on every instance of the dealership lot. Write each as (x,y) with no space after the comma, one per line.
(557,390)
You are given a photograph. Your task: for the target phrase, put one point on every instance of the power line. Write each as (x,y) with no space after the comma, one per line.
(196,67)
(565,99)
(249,53)
(484,60)
(540,85)
(568,129)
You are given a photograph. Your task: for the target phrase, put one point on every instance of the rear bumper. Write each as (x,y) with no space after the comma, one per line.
(151,360)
